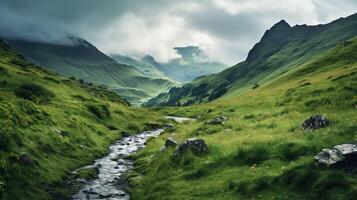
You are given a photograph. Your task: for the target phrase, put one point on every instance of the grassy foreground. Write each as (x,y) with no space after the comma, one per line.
(261,151)
(50,125)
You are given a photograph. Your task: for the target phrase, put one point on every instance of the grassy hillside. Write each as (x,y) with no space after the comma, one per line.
(281,49)
(261,152)
(51,125)
(84,61)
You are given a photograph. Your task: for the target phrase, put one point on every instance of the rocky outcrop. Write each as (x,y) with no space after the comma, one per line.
(315,122)
(339,153)
(217,120)
(170,143)
(196,146)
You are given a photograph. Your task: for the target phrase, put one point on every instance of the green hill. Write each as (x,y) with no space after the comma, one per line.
(281,49)
(262,151)
(82,60)
(51,125)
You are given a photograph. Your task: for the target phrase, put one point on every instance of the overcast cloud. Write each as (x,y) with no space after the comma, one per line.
(224,29)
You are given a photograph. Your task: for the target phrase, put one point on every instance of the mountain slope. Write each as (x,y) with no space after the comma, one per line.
(262,151)
(281,49)
(51,125)
(84,61)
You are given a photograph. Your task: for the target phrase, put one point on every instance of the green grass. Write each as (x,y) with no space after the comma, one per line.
(59,123)
(261,152)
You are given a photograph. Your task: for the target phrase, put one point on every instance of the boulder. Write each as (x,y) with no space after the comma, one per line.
(315,122)
(196,146)
(217,120)
(170,143)
(342,152)
(328,157)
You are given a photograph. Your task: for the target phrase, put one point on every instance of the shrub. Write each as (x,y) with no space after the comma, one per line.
(5,140)
(299,179)
(34,92)
(256,85)
(3,71)
(100,111)
(291,151)
(329,182)
(252,155)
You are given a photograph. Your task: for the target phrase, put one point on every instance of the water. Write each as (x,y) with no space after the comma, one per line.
(179,119)
(109,184)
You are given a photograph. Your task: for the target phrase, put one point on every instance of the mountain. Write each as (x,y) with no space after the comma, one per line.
(146,65)
(254,143)
(281,49)
(51,125)
(82,60)
(191,64)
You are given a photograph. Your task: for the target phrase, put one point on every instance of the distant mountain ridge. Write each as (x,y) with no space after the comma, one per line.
(191,63)
(281,48)
(84,61)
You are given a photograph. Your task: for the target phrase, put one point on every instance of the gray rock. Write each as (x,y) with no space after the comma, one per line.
(170,143)
(196,146)
(315,122)
(217,120)
(329,157)
(347,149)
(342,152)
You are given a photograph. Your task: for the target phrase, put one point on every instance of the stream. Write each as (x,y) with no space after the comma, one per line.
(109,184)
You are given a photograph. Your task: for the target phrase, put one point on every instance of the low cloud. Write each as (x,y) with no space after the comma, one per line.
(224,29)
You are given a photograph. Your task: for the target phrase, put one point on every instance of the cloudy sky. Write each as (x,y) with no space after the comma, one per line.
(225,29)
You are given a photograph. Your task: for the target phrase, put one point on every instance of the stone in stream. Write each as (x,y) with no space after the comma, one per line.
(342,152)
(315,122)
(169,126)
(170,143)
(196,146)
(217,120)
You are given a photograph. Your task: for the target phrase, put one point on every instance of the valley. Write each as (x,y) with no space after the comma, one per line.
(77,123)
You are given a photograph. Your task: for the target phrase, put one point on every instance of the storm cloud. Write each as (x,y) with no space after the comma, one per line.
(224,29)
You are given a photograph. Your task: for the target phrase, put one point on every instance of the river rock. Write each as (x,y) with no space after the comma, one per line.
(217,120)
(169,126)
(342,152)
(315,122)
(196,146)
(170,143)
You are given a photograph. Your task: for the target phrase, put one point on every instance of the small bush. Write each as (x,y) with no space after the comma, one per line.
(252,155)
(291,151)
(3,71)
(34,92)
(5,140)
(329,182)
(299,179)
(256,85)
(100,111)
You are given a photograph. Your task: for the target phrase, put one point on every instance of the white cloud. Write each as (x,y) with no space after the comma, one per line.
(225,29)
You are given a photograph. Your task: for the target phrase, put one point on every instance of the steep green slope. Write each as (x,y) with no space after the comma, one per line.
(261,151)
(82,60)
(51,125)
(281,49)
